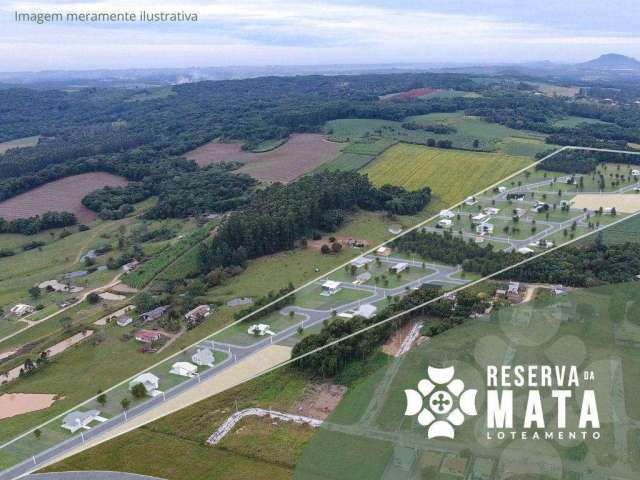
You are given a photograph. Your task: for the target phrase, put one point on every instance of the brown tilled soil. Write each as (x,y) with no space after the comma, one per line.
(299,155)
(319,400)
(62,195)
(393,344)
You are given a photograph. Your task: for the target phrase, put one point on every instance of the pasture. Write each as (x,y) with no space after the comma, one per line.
(19,143)
(573,121)
(299,155)
(64,195)
(451,174)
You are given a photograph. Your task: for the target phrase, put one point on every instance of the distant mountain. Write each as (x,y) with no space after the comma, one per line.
(611,61)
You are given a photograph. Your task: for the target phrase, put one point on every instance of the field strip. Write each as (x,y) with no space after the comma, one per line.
(311,282)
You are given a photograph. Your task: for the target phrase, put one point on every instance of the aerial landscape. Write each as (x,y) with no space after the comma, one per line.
(314,269)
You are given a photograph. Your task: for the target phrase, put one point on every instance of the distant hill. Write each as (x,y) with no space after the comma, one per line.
(611,61)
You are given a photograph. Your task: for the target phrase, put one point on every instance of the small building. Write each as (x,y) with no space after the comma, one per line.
(447,214)
(260,330)
(149,381)
(147,336)
(524,250)
(635,173)
(484,228)
(399,267)
(203,357)
(200,311)
(154,314)
(22,309)
(519,212)
(330,287)
(74,421)
(364,277)
(367,311)
(469,201)
(444,223)
(480,218)
(502,189)
(513,290)
(559,290)
(131,266)
(124,320)
(184,369)
(491,211)
(566,203)
(361,261)
(540,207)
(383,251)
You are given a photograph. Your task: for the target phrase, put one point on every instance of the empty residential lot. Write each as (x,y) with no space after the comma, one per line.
(64,195)
(299,155)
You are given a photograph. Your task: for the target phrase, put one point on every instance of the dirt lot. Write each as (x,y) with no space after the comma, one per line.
(393,344)
(61,195)
(623,203)
(301,154)
(320,400)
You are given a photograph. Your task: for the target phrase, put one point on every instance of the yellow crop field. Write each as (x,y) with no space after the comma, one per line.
(452,174)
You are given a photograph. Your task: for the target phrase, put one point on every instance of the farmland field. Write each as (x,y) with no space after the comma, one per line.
(60,195)
(302,153)
(451,174)
(19,143)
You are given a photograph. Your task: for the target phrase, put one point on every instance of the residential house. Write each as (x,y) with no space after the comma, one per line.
(200,311)
(635,173)
(444,223)
(399,267)
(447,214)
(131,266)
(540,207)
(383,251)
(184,369)
(203,357)
(484,228)
(524,250)
(480,218)
(147,336)
(154,314)
(469,201)
(124,320)
(260,330)
(149,381)
(74,421)
(491,211)
(22,309)
(367,311)
(330,287)
(514,291)
(502,189)
(361,261)
(559,290)
(364,277)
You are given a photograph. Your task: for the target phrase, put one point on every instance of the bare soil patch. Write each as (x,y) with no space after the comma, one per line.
(623,203)
(122,288)
(299,155)
(60,195)
(392,346)
(12,404)
(319,400)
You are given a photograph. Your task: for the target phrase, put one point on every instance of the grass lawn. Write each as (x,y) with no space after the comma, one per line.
(310,297)
(573,121)
(415,166)
(238,335)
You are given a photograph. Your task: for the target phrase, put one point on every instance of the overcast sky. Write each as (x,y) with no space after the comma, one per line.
(305,32)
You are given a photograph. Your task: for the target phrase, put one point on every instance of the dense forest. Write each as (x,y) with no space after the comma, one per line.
(279,216)
(39,223)
(582,161)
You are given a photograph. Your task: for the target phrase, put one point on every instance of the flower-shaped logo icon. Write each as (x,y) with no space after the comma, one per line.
(441,392)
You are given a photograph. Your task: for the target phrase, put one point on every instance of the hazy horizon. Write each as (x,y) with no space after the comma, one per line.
(256,33)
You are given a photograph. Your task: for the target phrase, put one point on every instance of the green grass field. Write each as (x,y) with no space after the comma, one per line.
(573,121)
(451,174)
(19,143)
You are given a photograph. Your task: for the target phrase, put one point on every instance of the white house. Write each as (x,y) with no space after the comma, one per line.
(479,218)
(502,189)
(635,173)
(444,223)
(330,287)
(525,250)
(260,330)
(131,266)
(484,228)
(150,383)
(491,211)
(383,251)
(513,288)
(542,244)
(470,201)
(22,309)
(367,311)
(518,212)
(184,369)
(199,311)
(399,267)
(74,421)
(361,261)
(203,357)
(447,214)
